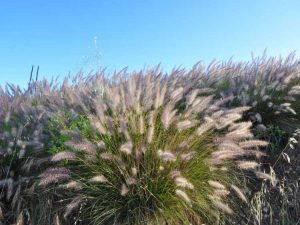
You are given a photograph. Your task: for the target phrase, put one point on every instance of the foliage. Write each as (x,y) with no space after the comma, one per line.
(277,139)
(148,159)
(145,148)
(65,120)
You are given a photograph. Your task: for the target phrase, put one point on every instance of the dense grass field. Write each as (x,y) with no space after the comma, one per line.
(214,145)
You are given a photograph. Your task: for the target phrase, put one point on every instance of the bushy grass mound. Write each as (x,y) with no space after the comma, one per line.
(143,148)
(155,147)
(270,86)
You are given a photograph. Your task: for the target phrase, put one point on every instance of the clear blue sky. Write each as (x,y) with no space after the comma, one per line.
(64,36)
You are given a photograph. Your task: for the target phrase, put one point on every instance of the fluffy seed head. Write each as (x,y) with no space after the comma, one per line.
(53,175)
(99,179)
(53,178)
(72,206)
(181,194)
(247,165)
(73,185)
(182,125)
(168,116)
(130,181)
(184,183)
(124,190)
(65,155)
(166,156)
(223,207)
(126,148)
(221,192)
(188,156)
(216,184)
(252,143)
(239,193)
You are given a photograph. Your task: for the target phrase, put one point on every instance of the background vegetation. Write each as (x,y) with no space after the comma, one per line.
(214,145)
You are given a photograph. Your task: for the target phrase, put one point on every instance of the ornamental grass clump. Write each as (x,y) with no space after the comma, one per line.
(26,140)
(21,146)
(270,86)
(159,153)
(143,148)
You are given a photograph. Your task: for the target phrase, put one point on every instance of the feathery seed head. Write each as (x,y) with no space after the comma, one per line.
(126,148)
(166,156)
(183,182)
(124,190)
(216,184)
(65,155)
(73,185)
(182,125)
(181,194)
(239,193)
(247,165)
(98,179)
